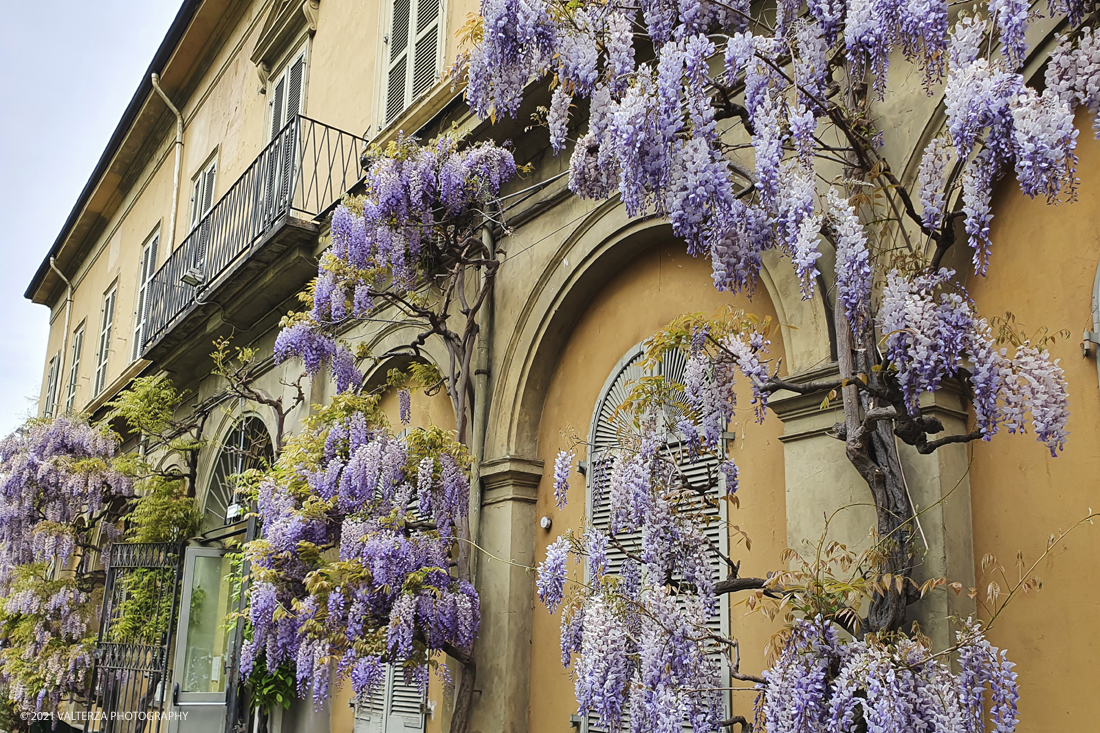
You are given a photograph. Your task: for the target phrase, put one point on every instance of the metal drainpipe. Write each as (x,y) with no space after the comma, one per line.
(179,157)
(64,336)
(481,403)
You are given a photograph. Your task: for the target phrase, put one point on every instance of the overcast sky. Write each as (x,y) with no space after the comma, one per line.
(67,70)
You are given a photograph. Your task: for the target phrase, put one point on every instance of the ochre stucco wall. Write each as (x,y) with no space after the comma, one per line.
(657,286)
(1044,260)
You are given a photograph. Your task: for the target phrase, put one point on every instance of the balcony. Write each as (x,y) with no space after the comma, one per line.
(255,247)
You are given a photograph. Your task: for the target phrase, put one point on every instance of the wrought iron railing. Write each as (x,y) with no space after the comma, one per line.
(137,621)
(301,172)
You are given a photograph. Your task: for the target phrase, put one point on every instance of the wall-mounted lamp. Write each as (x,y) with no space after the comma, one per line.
(545,522)
(192,277)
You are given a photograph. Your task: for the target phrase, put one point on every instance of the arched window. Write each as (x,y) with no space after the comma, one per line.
(608,424)
(248,445)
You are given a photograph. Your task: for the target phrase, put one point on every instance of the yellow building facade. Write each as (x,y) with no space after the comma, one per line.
(207,214)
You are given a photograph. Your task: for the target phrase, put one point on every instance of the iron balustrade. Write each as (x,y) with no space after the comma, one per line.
(302,172)
(137,621)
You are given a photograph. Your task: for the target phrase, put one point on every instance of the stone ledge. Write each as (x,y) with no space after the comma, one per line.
(803,416)
(511,478)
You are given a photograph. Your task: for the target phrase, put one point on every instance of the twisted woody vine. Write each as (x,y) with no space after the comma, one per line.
(750,129)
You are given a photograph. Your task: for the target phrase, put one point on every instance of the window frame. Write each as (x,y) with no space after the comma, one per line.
(103,350)
(588,724)
(146,270)
(208,171)
(387,61)
(74,367)
(53,370)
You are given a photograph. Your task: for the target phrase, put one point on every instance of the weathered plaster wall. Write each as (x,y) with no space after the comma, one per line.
(1043,264)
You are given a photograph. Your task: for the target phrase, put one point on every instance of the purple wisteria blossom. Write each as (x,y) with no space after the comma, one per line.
(563,465)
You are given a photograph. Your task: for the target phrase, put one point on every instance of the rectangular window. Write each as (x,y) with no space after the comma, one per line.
(286,94)
(104,349)
(202,192)
(145,281)
(412,59)
(51,386)
(74,368)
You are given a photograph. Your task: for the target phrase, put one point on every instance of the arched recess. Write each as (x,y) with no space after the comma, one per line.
(245,445)
(656,284)
(391,337)
(600,246)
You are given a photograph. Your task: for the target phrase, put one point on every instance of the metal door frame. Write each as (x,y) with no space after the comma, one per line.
(180,697)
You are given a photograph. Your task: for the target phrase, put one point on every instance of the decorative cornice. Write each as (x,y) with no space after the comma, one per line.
(284,22)
(511,478)
(804,417)
(789,406)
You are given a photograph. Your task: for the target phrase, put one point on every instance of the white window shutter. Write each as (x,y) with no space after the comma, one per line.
(406,709)
(196,201)
(426,49)
(50,405)
(148,269)
(397,67)
(104,350)
(74,368)
(607,423)
(208,189)
(391,707)
(278,101)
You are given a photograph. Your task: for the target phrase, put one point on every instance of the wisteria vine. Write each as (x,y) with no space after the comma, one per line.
(752,133)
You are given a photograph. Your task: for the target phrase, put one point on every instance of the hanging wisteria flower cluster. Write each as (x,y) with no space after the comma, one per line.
(47,639)
(751,134)
(59,483)
(932,333)
(418,200)
(640,624)
(52,473)
(823,683)
(353,569)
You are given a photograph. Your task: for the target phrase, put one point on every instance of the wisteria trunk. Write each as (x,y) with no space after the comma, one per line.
(873,452)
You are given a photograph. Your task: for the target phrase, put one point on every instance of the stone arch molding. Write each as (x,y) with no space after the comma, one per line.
(229,419)
(601,245)
(394,336)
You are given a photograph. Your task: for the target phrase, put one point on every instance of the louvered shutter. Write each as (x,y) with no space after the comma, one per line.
(278,101)
(607,425)
(426,50)
(370,712)
(295,87)
(207,202)
(74,369)
(148,268)
(398,67)
(295,76)
(413,60)
(196,201)
(104,341)
(395,707)
(51,386)
(406,706)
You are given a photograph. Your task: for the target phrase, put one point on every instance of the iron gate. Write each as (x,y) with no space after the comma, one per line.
(128,679)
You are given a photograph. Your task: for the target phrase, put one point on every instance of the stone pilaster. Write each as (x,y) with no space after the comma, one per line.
(820,480)
(503,651)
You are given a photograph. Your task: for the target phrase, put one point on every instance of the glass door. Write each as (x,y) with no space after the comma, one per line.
(203,641)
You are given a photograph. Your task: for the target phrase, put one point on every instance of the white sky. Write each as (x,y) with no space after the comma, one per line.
(67,70)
